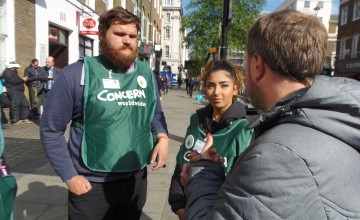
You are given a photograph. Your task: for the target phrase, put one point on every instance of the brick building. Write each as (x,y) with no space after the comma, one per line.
(348,48)
(40,28)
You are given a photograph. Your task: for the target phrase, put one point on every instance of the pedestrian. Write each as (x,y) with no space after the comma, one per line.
(4,103)
(304,162)
(160,84)
(52,72)
(8,185)
(179,81)
(116,114)
(191,86)
(35,76)
(19,108)
(224,117)
(166,83)
(187,86)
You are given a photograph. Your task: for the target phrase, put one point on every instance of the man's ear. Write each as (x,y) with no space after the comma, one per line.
(260,66)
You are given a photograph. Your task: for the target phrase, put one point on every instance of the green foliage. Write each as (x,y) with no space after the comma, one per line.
(203,27)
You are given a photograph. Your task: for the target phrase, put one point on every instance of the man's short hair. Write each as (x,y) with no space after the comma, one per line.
(117,15)
(293,44)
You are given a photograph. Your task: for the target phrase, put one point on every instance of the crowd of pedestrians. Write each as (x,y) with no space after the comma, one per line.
(12,96)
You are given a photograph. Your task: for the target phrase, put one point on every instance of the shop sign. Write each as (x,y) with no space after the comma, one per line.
(88,26)
(348,66)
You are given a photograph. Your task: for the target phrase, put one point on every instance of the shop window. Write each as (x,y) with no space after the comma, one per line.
(57,35)
(85,46)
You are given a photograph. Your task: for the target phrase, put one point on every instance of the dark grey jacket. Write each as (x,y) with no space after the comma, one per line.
(304,163)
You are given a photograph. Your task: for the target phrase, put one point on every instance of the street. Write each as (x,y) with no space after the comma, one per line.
(42,195)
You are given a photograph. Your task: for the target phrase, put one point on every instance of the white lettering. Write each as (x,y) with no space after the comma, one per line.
(129,94)
(123,94)
(353,65)
(99,96)
(107,96)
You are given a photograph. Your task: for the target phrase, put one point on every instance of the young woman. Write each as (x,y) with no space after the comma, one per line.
(223,117)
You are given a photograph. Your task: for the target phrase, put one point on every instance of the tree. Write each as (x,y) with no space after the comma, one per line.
(202,24)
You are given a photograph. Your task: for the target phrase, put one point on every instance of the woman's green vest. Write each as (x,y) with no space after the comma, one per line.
(7,189)
(118,111)
(229,142)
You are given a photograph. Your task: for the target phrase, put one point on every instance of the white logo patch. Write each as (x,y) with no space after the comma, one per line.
(142,82)
(189,141)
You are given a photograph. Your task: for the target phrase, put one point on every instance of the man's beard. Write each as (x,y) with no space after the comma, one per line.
(254,92)
(117,57)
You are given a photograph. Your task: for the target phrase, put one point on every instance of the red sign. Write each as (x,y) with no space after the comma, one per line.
(89,23)
(88,26)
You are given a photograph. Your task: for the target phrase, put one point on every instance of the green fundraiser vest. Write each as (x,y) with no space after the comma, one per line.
(7,189)
(118,110)
(229,142)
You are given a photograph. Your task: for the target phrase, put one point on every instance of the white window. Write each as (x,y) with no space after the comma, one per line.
(167,33)
(356,10)
(344,14)
(354,46)
(167,19)
(307,4)
(168,2)
(342,49)
(320,4)
(167,51)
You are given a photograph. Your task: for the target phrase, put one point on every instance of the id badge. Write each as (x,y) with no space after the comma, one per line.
(199,146)
(111,84)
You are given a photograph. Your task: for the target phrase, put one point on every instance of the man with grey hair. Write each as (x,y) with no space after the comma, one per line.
(304,162)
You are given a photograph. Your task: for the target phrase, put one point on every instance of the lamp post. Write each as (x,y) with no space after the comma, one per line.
(224,27)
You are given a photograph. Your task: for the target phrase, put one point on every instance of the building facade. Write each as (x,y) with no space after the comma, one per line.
(322,10)
(173,51)
(67,29)
(348,48)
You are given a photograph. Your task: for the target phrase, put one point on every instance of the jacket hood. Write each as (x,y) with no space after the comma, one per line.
(236,111)
(331,105)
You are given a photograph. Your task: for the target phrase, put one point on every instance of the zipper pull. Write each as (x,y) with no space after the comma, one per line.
(110,72)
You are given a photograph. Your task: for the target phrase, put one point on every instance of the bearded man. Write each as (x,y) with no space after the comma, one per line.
(115,110)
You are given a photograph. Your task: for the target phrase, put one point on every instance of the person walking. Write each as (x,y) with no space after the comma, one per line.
(19,108)
(35,76)
(191,86)
(118,125)
(179,81)
(224,117)
(304,162)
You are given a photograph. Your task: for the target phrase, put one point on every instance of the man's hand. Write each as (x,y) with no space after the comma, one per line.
(208,153)
(79,185)
(161,152)
(181,214)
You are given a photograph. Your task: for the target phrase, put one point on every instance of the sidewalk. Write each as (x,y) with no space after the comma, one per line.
(42,195)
